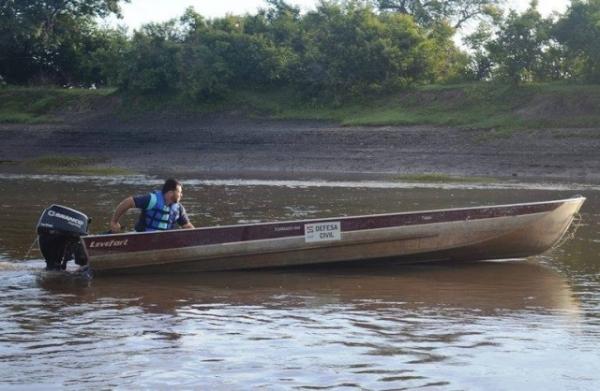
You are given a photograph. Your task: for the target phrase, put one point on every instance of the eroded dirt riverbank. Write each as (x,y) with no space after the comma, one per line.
(228,145)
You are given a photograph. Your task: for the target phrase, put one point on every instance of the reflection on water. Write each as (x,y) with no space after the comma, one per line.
(525,325)
(516,286)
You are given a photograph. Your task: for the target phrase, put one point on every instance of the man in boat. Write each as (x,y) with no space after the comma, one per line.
(160,210)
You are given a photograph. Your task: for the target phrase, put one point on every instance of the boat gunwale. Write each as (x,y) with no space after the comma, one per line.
(326,219)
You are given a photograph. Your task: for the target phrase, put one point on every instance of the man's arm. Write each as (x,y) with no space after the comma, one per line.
(123,207)
(184,220)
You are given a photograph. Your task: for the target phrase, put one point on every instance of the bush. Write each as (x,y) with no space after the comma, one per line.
(150,64)
(579,32)
(351,50)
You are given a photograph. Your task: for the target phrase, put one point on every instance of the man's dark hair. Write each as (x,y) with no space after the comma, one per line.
(170,184)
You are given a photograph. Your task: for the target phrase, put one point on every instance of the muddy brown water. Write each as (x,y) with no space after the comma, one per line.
(510,325)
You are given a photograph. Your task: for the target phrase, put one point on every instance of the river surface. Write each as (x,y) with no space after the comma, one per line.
(514,325)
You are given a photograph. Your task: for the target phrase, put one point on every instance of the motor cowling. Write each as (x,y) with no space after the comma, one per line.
(59,230)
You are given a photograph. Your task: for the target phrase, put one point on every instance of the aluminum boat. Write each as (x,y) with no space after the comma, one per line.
(446,235)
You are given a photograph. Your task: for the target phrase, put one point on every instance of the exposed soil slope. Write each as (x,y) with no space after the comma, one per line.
(234,145)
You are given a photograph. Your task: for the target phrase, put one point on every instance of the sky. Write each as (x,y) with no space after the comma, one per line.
(138,12)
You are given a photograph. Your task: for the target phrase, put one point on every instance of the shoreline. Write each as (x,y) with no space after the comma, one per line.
(228,145)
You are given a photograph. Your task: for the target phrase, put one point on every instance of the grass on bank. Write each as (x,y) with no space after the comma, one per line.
(481,105)
(34,105)
(472,105)
(58,164)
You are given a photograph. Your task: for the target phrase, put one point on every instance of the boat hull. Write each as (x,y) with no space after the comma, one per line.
(506,231)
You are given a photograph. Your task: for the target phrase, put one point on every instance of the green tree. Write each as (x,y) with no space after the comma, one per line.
(454,12)
(150,63)
(579,32)
(518,50)
(480,63)
(41,39)
(284,24)
(350,50)
(203,73)
(102,60)
(448,62)
(230,51)
(281,25)
(213,61)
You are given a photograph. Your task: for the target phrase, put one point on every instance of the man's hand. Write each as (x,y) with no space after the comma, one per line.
(115,227)
(123,207)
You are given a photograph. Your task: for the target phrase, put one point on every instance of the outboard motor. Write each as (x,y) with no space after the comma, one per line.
(59,230)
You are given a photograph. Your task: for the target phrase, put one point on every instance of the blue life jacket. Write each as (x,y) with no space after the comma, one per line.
(158,215)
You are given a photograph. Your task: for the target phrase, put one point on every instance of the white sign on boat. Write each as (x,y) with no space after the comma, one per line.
(319,232)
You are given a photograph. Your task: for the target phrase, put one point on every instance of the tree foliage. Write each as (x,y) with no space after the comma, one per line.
(150,62)
(454,12)
(518,48)
(480,64)
(354,50)
(579,32)
(339,49)
(44,40)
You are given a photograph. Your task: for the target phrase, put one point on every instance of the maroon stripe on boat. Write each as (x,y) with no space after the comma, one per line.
(97,245)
